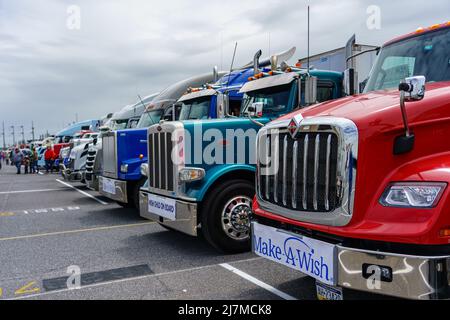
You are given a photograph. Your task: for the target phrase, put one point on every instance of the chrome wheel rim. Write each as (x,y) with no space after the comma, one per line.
(236,218)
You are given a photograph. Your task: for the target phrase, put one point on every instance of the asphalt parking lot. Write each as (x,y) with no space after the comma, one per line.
(48,227)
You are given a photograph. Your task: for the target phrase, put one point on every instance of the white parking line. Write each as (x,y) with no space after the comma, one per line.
(30,191)
(57,233)
(258,282)
(129,279)
(82,192)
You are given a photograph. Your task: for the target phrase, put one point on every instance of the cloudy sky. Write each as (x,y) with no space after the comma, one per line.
(52,72)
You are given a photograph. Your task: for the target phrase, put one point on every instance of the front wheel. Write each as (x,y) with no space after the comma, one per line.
(226,214)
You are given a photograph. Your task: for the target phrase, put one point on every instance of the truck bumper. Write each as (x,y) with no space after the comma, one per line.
(413,277)
(116,191)
(399,275)
(185,219)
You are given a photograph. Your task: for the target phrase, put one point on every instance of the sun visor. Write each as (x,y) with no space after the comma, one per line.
(270,81)
(197,94)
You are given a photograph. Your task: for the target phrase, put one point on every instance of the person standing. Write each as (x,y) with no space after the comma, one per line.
(17,159)
(33,161)
(49,156)
(2,157)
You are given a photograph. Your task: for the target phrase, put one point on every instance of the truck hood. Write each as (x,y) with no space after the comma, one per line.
(381,109)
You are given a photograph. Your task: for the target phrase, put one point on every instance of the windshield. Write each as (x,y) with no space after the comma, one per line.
(197,109)
(150,118)
(133,123)
(119,124)
(427,55)
(275,99)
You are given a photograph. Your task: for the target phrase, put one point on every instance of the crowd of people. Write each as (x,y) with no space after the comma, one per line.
(28,159)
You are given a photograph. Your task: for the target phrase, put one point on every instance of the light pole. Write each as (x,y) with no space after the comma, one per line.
(13,135)
(3,135)
(23,134)
(32,130)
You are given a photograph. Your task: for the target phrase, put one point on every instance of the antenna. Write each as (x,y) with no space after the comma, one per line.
(308,37)
(232,63)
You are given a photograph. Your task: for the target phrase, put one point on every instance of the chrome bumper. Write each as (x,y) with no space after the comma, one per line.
(120,190)
(413,277)
(186,215)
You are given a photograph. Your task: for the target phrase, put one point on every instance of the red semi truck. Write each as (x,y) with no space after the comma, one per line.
(355,192)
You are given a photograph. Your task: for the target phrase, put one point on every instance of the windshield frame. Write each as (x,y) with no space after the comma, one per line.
(146,116)
(248,99)
(189,105)
(389,50)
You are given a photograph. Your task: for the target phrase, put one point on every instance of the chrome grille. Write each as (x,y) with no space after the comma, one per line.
(160,146)
(109,155)
(306,176)
(310,177)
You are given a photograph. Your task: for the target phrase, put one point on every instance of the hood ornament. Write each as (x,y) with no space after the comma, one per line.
(294,125)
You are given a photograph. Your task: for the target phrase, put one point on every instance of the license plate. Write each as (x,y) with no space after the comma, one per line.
(109,186)
(325,292)
(162,206)
(312,257)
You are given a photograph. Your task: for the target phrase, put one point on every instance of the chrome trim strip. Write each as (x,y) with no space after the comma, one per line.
(305,171)
(316,170)
(167,161)
(275,177)
(159,158)
(294,175)
(327,174)
(285,142)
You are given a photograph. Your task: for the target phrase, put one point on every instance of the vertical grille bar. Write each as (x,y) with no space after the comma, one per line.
(327,174)
(285,146)
(316,170)
(277,167)
(164,160)
(160,163)
(153,164)
(305,171)
(294,176)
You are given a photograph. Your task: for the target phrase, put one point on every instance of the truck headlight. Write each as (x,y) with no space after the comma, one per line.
(191,174)
(144,169)
(124,168)
(413,194)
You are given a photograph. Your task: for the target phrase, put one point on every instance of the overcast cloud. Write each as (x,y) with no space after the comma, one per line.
(49,73)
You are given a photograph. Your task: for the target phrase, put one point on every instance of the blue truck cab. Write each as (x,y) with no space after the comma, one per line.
(202,172)
(123,151)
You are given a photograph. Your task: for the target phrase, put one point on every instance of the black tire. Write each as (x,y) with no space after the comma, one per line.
(211,216)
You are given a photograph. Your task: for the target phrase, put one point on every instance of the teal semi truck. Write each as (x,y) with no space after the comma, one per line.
(202,172)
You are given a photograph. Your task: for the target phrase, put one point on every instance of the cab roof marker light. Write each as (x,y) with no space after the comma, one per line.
(435,26)
(420,30)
